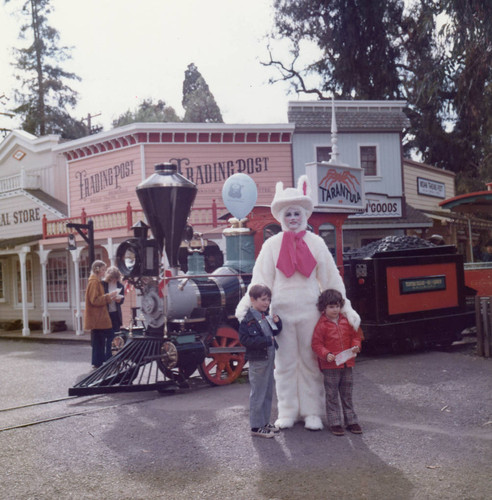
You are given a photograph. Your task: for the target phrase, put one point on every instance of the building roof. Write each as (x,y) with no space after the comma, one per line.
(472,203)
(49,201)
(425,166)
(351,116)
(458,218)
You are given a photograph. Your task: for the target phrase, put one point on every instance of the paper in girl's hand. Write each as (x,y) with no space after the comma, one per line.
(344,356)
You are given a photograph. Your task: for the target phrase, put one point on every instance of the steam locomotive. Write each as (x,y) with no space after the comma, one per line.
(406,293)
(186,321)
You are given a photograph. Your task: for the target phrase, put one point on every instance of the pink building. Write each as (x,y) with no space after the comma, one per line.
(103,171)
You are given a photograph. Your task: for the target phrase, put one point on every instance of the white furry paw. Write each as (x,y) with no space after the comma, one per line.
(285,423)
(313,423)
(353,318)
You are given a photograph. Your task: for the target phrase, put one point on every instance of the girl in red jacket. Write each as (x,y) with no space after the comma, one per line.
(336,344)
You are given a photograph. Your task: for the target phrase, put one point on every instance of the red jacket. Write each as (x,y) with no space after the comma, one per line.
(330,337)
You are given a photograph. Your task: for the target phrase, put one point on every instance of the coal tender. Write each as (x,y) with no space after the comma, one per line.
(409,292)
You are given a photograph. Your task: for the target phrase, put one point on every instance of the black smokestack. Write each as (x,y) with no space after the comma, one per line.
(166,198)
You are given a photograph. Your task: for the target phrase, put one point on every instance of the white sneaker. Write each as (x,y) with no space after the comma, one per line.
(273,428)
(263,432)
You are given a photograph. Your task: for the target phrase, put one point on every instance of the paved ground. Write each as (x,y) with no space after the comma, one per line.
(427,420)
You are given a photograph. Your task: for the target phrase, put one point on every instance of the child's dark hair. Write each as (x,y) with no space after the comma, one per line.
(257,291)
(329,297)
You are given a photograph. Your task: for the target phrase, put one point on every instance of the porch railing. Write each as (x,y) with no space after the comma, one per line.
(124,219)
(20,181)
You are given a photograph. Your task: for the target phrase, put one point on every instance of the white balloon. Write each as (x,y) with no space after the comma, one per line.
(239,194)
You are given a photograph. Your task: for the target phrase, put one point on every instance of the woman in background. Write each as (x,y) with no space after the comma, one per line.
(111,283)
(96,315)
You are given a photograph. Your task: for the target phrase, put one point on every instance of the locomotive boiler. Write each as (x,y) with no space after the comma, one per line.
(186,321)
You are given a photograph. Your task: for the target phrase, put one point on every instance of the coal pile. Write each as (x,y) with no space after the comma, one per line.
(388,244)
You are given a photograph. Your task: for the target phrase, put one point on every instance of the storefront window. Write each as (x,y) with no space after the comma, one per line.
(323,153)
(29,284)
(368,160)
(57,278)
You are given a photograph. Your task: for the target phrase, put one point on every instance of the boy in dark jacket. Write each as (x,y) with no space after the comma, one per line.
(333,335)
(256,332)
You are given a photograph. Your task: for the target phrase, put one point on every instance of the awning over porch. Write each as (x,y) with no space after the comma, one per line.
(471,203)
(11,243)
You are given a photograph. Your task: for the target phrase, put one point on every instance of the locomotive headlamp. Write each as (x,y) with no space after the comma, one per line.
(129,259)
(136,257)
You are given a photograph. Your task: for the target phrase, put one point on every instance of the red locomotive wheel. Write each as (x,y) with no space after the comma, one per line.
(222,368)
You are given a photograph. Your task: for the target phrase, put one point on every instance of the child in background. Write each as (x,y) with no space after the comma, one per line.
(256,333)
(332,335)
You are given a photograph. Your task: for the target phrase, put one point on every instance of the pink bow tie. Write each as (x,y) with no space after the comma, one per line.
(295,255)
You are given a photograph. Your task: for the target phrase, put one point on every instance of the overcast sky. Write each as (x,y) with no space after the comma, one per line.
(127,50)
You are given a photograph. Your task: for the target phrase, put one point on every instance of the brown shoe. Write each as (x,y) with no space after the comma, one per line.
(354,428)
(337,430)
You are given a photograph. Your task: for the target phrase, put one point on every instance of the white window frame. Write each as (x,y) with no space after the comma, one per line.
(57,255)
(377,176)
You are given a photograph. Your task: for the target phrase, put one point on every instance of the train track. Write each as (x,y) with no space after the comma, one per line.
(18,418)
(41,412)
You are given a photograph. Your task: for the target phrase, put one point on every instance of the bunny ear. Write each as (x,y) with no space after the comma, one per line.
(279,188)
(303,185)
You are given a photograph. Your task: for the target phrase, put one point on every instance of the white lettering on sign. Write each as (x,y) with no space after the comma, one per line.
(431,188)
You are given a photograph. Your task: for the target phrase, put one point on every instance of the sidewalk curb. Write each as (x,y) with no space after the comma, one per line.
(67,337)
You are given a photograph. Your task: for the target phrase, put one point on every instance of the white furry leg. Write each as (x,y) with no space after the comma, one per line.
(313,423)
(285,423)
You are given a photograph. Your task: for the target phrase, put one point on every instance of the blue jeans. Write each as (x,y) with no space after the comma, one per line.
(101,345)
(261,393)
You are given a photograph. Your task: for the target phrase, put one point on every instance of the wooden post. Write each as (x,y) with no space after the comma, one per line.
(488,327)
(45,226)
(129,217)
(478,322)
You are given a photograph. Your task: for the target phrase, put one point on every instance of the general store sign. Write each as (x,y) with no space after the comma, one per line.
(336,187)
(17,217)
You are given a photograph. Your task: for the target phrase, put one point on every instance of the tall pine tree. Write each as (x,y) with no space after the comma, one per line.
(198,102)
(44,94)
